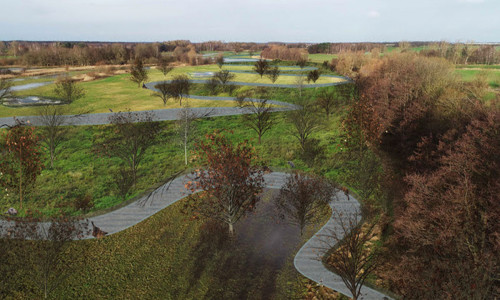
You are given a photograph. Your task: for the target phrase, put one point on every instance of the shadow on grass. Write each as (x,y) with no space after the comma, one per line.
(246,266)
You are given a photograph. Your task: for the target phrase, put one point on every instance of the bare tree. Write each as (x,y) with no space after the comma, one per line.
(164,67)
(212,85)
(302,62)
(186,125)
(351,258)
(220,61)
(467,51)
(273,73)
(55,240)
(68,90)
(299,83)
(51,262)
(304,123)
(138,72)
(129,137)
(329,100)
(224,76)
(313,75)
(260,118)
(20,159)
(179,87)
(261,66)
(303,198)
(52,117)
(165,91)
(5,85)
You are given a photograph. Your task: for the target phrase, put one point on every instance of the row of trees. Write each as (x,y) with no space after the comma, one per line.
(283,53)
(82,54)
(334,48)
(349,63)
(459,53)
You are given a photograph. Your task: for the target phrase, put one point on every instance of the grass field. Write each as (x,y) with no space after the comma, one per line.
(79,172)
(117,93)
(390,49)
(485,67)
(320,57)
(155,75)
(492,75)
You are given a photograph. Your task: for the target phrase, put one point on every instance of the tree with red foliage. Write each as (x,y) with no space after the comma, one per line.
(20,163)
(405,97)
(448,235)
(229,178)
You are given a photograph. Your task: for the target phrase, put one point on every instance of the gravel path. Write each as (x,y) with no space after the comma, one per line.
(308,260)
(312,85)
(157,115)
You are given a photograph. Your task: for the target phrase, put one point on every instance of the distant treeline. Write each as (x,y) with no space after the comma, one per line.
(283,52)
(334,48)
(94,53)
(458,53)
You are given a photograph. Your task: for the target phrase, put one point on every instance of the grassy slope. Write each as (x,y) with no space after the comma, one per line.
(78,171)
(156,259)
(168,256)
(117,93)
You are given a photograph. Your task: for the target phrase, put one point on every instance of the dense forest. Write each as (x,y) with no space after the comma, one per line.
(437,142)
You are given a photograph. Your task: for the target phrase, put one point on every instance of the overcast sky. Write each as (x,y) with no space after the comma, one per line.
(251,20)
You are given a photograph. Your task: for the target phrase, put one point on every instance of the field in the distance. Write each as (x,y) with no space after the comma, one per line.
(118,93)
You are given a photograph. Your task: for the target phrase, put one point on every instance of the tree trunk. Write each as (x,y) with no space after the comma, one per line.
(20,178)
(51,156)
(231,230)
(21,190)
(185,138)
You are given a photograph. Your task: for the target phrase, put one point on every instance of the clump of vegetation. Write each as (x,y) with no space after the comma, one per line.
(21,160)
(68,90)
(229,178)
(138,72)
